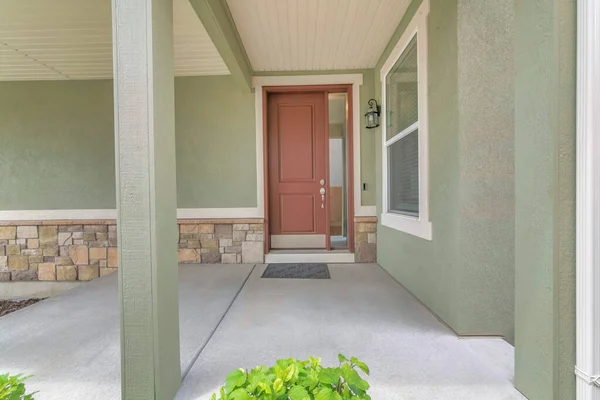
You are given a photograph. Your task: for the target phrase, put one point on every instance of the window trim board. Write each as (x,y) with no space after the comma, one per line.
(421,226)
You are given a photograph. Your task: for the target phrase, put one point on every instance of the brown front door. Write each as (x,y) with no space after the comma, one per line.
(298,148)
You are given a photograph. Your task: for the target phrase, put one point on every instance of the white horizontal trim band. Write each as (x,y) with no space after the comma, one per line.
(299,80)
(182,213)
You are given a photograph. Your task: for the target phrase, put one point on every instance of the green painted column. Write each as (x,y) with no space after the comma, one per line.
(545,199)
(146,198)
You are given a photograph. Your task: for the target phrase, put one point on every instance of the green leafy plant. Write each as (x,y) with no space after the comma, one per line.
(292,379)
(12,387)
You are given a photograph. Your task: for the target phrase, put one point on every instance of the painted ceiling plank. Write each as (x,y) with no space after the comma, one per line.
(217,22)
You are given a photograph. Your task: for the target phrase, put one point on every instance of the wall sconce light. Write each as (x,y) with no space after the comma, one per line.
(372,116)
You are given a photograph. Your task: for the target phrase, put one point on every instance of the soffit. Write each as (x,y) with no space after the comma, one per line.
(301,35)
(72,39)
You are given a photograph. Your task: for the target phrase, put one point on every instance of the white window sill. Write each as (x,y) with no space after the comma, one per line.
(412,226)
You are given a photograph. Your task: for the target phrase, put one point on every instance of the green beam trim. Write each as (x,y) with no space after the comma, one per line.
(217,20)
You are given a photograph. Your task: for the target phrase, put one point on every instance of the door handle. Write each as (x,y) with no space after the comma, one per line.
(322,191)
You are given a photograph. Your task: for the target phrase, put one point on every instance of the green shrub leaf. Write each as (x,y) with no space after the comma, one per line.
(239,394)
(341,358)
(324,394)
(234,380)
(363,367)
(330,376)
(298,393)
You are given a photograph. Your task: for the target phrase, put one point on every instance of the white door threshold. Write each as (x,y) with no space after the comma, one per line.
(307,256)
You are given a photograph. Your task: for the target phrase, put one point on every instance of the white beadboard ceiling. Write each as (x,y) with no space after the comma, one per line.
(72,39)
(299,35)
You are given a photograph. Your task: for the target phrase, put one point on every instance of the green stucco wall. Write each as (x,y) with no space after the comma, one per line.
(216,143)
(466,273)
(57,144)
(545,199)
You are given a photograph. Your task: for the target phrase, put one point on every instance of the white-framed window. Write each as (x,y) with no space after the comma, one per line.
(405,131)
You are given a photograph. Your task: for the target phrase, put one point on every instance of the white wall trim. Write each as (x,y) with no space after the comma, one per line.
(421,226)
(108,214)
(299,80)
(306,80)
(587,367)
(44,215)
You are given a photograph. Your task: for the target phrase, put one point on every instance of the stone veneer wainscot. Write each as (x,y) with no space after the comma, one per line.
(75,250)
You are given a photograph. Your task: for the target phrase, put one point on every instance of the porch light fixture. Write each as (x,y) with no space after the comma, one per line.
(372,116)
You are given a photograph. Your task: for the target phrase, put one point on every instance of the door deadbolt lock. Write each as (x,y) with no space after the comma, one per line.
(322,182)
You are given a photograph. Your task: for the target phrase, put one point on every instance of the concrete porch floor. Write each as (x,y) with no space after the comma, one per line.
(71,342)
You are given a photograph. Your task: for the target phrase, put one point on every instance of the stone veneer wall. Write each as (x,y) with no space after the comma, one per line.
(57,250)
(221,241)
(365,239)
(83,250)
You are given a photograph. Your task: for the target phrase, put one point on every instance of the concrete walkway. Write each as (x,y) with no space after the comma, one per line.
(71,343)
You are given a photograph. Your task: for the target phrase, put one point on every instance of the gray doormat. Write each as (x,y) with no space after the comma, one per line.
(297,271)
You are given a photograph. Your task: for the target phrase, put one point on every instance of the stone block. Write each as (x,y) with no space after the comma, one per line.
(239,236)
(95,228)
(47,272)
(182,245)
(49,259)
(229,258)
(211,258)
(8,232)
(211,243)
(70,228)
(361,237)
(3,262)
(206,228)
(21,242)
(102,237)
(33,243)
(112,228)
(113,257)
(188,228)
(98,253)
(63,261)
(77,235)
(107,271)
(24,275)
(241,227)
(65,238)
(103,263)
(366,227)
(2,251)
(209,250)
(4,276)
(66,273)
(193,244)
(221,250)
(32,252)
(95,262)
(225,242)
(4,242)
(239,258)
(18,263)
(233,249)
(48,236)
(188,256)
(50,251)
(89,236)
(79,254)
(252,252)
(223,231)
(63,251)
(33,266)
(257,227)
(98,243)
(366,253)
(255,237)
(78,241)
(372,237)
(188,236)
(35,259)
(13,250)
(27,232)
(206,236)
(87,272)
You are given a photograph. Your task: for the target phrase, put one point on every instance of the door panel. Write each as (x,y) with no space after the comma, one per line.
(298,146)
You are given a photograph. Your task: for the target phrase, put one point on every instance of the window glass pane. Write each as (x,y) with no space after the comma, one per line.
(402,92)
(403,158)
